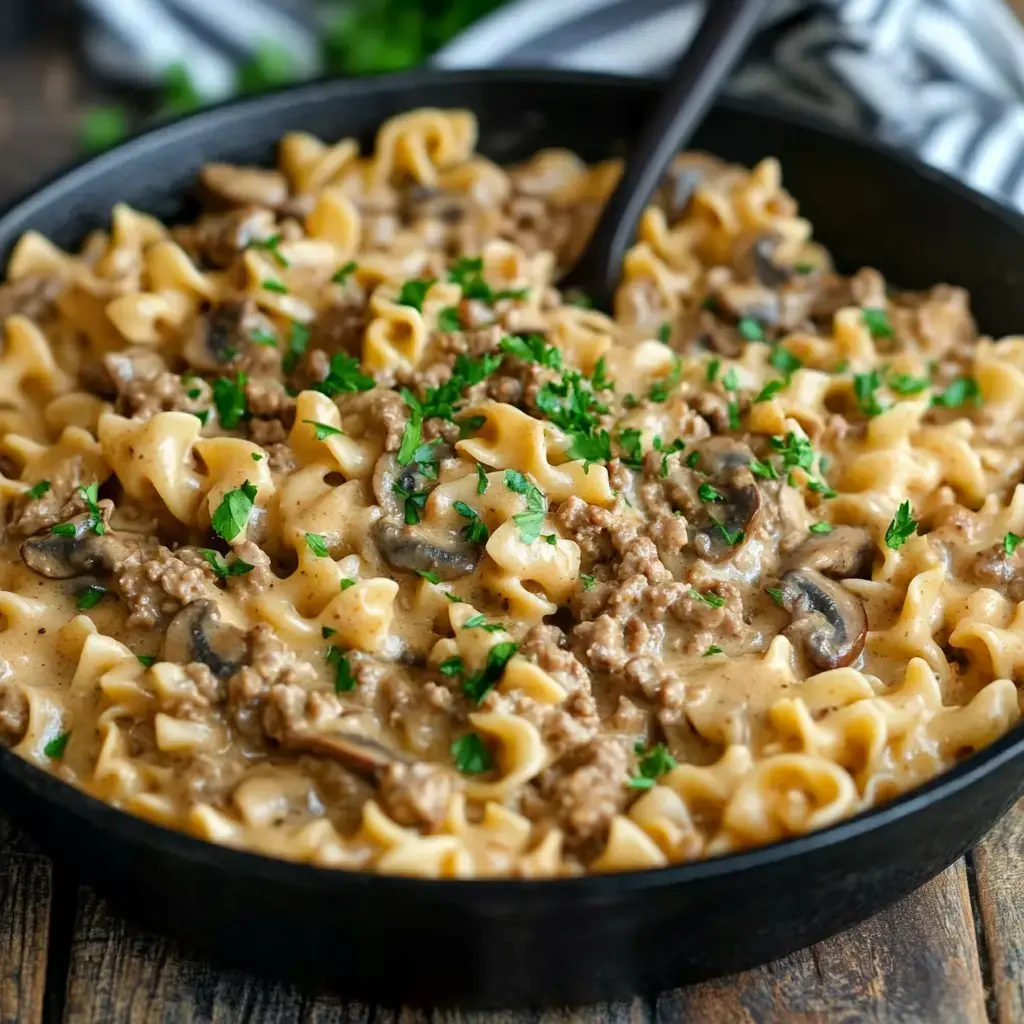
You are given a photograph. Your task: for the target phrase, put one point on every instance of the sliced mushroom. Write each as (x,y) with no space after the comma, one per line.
(729,523)
(230,185)
(222,333)
(197,633)
(828,622)
(758,260)
(739,300)
(847,552)
(132,364)
(82,553)
(388,474)
(219,238)
(360,754)
(411,548)
(719,454)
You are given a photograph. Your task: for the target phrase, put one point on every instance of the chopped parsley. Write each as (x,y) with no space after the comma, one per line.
(765,470)
(480,622)
(448,320)
(711,373)
(958,393)
(271,245)
(272,285)
(629,441)
(905,384)
(347,582)
(229,398)
(343,678)
(530,521)
(317,543)
(256,456)
(661,389)
(784,361)
(258,337)
(327,632)
(298,341)
(901,528)
(146,659)
(877,322)
(415,502)
(413,428)
(750,329)
(470,755)
(430,577)
(475,531)
(796,451)
(775,593)
(477,686)
(56,747)
(712,599)
(89,597)
(708,493)
(453,666)
(864,387)
(224,569)
(588,581)
(713,649)
(90,495)
(344,376)
(550,538)
(664,332)
(481,479)
(413,293)
(590,447)
(532,348)
(466,372)
(346,271)
(1010,542)
(653,764)
(323,430)
(469,425)
(769,391)
(599,381)
(232,515)
(38,490)
(820,527)
(731,537)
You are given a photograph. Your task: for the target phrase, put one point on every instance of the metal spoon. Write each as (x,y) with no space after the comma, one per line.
(723,34)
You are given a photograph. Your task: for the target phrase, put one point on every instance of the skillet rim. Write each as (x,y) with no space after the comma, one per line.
(124,827)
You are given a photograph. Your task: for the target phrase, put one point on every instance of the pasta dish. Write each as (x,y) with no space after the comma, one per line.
(334,531)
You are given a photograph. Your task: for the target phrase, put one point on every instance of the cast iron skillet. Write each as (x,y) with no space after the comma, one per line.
(505,943)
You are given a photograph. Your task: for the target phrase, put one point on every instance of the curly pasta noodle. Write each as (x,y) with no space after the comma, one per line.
(334,531)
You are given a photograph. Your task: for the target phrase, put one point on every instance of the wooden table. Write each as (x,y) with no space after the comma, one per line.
(951,952)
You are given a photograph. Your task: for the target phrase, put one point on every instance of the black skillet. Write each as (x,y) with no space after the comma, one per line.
(505,943)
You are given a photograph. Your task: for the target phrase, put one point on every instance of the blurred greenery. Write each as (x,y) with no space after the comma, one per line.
(360,37)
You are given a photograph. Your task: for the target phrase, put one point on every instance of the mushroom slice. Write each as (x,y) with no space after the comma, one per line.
(411,548)
(387,474)
(828,622)
(82,553)
(222,333)
(360,754)
(759,260)
(846,552)
(729,523)
(197,633)
(230,185)
(718,454)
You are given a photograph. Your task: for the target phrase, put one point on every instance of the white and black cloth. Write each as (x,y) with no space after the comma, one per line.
(944,78)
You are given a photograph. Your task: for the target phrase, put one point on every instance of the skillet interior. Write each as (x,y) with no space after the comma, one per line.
(505,943)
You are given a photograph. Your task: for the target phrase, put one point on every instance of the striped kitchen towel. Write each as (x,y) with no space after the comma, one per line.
(944,78)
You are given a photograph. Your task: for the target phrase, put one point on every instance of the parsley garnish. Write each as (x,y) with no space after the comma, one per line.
(708,493)
(448,320)
(275,286)
(413,428)
(256,456)
(344,376)
(453,666)
(600,382)
(664,332)
(271,245)
(796,451)
(905,384)
(317,543)
(414,292)
(477,686)
(532,348)
(476,531)
(481,479)
(430,577)
(959,391)
(784,361)
(588,581)
(232,514)
(629,441)
(775,593)
(711,373)
(530,521)
(415,501)
(327,632)
(343,678)
(466,372)
(750,329)
(591,447)
(877,322)
(712,599)
(765,470)
(1010,542)
(661,389)
(56,747)
(713,649)
(480,622)
(342,275)
(89,597)
(655,763)
(260,337)
(323,430)
(470,755)
(38,490)
(864,387)
(229,398)
(820,527)
(769,391)
(224,569)
(298,340)
(346,583)
(731,537)
(901,528)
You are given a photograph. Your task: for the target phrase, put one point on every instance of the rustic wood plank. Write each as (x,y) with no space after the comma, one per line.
(999,869)
(916,961)
(25,896)
(122,974)
(632,1012)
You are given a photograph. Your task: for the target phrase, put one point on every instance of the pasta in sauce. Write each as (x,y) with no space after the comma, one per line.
(335,532)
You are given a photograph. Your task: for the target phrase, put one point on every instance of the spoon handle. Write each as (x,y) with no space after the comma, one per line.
(691,89)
